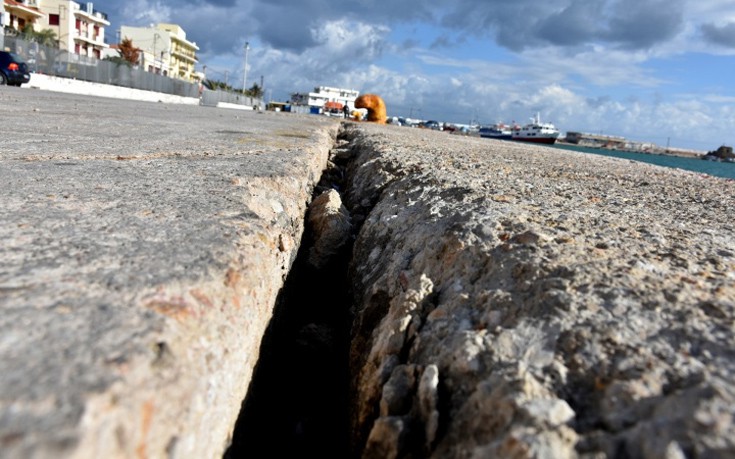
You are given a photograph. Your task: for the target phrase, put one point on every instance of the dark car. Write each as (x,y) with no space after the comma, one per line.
(13,69)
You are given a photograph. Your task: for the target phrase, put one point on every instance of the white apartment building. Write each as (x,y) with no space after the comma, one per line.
(17,14)
(79,28)
(164,50)
(323,94)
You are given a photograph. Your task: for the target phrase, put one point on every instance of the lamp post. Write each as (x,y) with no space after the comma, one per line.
(245,69)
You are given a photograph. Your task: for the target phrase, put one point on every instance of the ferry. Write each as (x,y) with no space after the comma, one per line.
(537,132)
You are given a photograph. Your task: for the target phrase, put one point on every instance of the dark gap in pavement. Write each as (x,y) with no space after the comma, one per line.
(297,402)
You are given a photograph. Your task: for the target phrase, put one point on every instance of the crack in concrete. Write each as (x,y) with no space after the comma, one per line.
(300,389)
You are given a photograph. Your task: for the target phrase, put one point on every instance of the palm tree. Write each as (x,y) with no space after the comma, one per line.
(45,37)
(216,84)
(256,91)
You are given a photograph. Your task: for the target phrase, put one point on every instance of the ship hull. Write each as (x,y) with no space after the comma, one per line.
(543,140)
(497,136)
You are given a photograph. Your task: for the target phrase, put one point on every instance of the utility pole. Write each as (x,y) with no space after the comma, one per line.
(225,80)
(155,35)
(245,68)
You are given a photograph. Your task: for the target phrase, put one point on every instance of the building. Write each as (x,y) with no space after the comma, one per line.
(15,15)
(323,94)
(595,140)
(79,28)
(164,50)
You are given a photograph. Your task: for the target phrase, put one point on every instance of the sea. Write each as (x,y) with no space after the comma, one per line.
(716,169)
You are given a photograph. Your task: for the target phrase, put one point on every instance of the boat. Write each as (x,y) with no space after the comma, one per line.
(537,132)
(723,154)
(496,131)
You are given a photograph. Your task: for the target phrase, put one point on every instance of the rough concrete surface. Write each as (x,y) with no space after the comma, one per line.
(142,248)
(518,301)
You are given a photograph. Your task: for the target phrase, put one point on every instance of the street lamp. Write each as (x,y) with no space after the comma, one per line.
(245,69)
(155,37)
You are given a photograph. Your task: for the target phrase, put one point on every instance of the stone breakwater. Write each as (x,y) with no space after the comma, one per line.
(516,301)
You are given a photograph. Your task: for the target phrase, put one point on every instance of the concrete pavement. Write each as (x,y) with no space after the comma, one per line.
(143,246)
(508,299)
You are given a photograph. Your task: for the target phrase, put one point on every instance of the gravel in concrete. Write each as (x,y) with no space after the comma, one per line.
(529,302)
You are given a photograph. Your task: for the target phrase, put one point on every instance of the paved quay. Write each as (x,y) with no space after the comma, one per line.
(142,248)
(507,300)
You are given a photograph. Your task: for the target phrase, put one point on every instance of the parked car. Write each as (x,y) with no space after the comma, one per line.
(13,69)
(431,124)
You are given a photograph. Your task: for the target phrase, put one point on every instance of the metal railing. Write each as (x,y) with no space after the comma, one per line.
(54,61)
(57,62)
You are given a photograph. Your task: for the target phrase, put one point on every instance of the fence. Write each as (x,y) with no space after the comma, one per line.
(212,98)
(57,62)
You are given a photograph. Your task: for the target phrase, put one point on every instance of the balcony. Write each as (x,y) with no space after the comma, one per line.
(184,57)
(91,15)
(90,38)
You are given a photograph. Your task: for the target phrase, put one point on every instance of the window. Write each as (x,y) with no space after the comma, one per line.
(53,19)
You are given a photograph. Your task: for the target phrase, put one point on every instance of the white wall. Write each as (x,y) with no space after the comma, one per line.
(66,85)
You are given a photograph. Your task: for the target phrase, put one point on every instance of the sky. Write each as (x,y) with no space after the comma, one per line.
(660,71)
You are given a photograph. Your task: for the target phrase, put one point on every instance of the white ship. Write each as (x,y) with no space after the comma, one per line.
(537,132)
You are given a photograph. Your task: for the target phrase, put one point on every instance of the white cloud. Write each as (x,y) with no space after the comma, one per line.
(345,39)
(143,12)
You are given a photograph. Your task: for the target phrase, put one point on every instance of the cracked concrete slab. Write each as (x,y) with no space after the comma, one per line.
(143,246)
(521,301)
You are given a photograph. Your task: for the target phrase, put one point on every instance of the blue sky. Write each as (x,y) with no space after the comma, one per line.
(649,70)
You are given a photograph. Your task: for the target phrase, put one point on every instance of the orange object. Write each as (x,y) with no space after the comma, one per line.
(375,107)
(332,105)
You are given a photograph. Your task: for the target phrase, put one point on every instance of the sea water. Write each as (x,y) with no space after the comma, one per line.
(717,169)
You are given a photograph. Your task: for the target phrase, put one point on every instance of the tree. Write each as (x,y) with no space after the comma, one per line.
(128,51)
(255,91)
(117,60)
(215,84)
(45,37)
